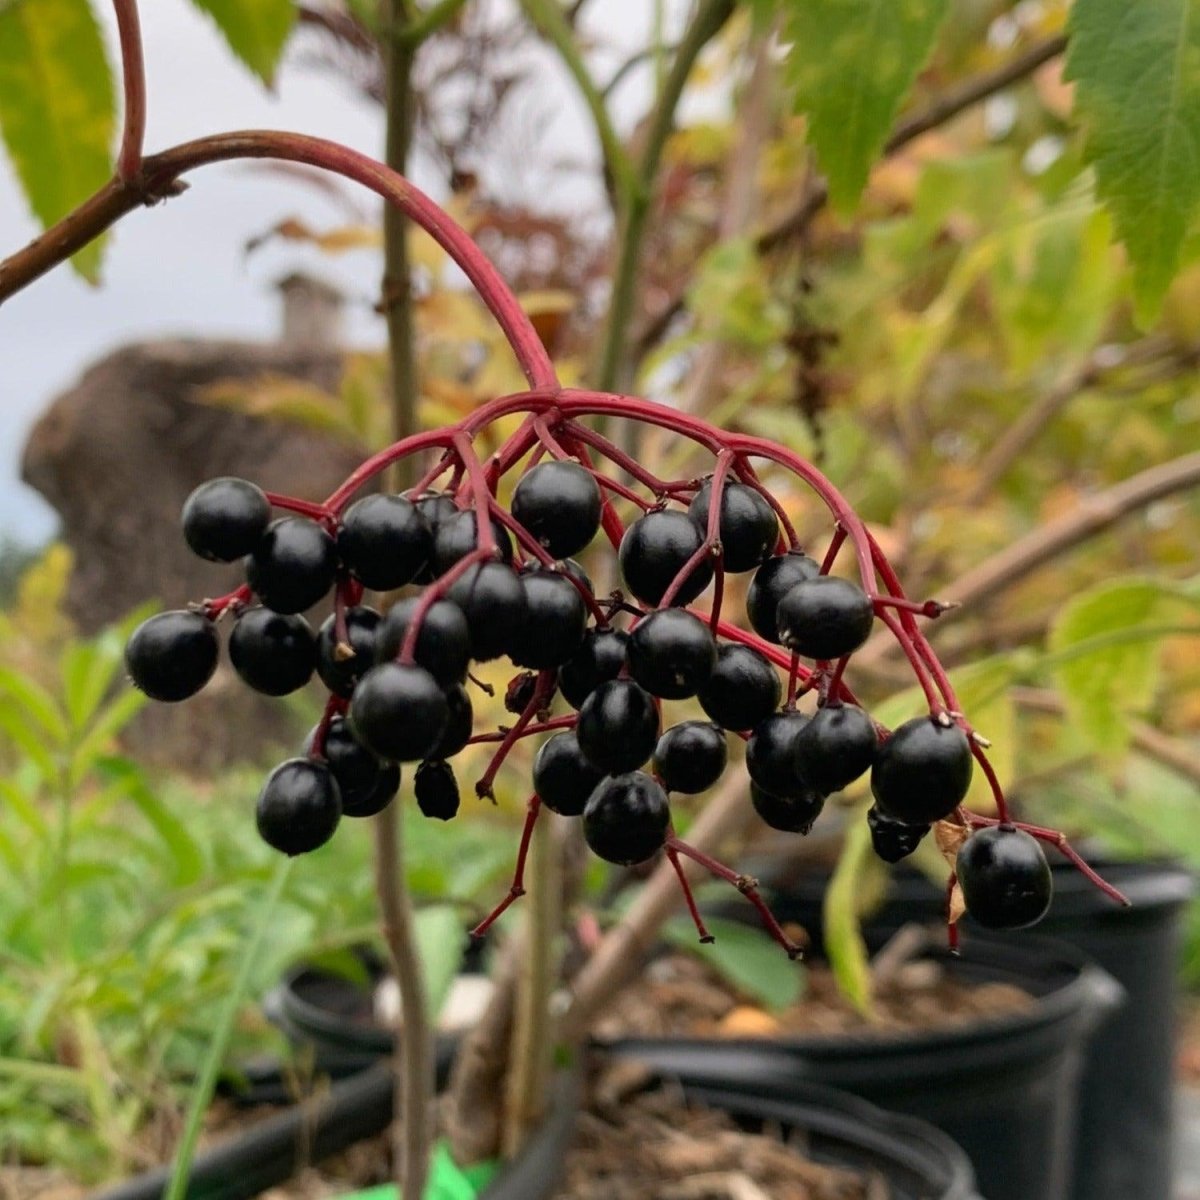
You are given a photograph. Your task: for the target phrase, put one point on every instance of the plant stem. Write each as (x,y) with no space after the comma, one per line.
(428,23)
(206,1081)
(129,158)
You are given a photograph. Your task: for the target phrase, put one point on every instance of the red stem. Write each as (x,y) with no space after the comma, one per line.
(567,722)
(432,594)
(517,889)
(835,544)
(305,508)
(689,899)
(133,69)
(540,698)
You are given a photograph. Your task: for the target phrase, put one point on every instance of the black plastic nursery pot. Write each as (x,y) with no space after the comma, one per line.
(1124,1144)
(1003,1088)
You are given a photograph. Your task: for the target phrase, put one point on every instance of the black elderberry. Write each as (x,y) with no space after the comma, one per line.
(922,772)
(273,653)
(224,518)
(342,664)
(293,565)
(836,746)
(794,813)
(299,806)
(436,790)
(691,756)
(626,819)
(771,753)
(655,549)
(559,503)
(893,840)
(618,726)
(599,659)
(399,712)
(435,507)
(1005,879)
(743,689)
(824,617)
(459,723)
(671,653)
(748,527)
(172,655)
(366,783)
(771,582)
(493,601)
(384,541)
(456,537)
(562,776)
(555,621)
(443,645)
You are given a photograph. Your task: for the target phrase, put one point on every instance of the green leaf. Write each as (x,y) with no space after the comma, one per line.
(56,108)
(747,958)
(848,895)
(441,942)
(852,62)
(36,702)
(1137,67)
(256,31)
(15,722)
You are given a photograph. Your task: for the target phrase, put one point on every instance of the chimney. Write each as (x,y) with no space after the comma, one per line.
(312,313)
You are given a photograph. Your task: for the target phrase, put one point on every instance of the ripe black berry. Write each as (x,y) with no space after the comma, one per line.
(1005,879)
(691,756)
(771,582)
(771,753)
(618,726)
(559,503)
(456,537)
(576,571)
(384,541)
(599,659)
(671,653)
(922,772)
(493,602)
(655,549)
(836,746)
(459,723)
(399,712)
(743,689)
(893,840)
(825,617)
(273,653)
(789,814)
(626,819)
(436,790)
(748,526)
(342,664)
(172,655)
(292,565)
(299,806)
(224,518)
(435,507)
(367,784)
(555,620)
(443,645)
(562,777)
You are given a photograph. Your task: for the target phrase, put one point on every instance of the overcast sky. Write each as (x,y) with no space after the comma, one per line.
(180,268)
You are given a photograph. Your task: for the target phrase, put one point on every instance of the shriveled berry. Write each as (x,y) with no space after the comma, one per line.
(342,664)
(922,772)
(520,691)
(367,784)
(671,653)
(384,541)
(1005,879)
(748,527)
(743,689)
(399,712)
(443,645)
(435,507)
(562,776)
(172,655)
(299,806)
(618,726)
(772,581)
(436,790)
(493,602)
(794,813)
(655,549)
(691,756)
(555,621)
(293,565)
(459,723)
(825,617)
(836,746)
(559,503)
(456,537)
(224,518)
(893,840)
(599,659)
(626,819)
(273,653)
(771,753)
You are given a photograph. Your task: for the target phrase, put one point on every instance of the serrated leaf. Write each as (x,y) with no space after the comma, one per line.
(256,31)
(1137,70)
(851,63)
(56,108)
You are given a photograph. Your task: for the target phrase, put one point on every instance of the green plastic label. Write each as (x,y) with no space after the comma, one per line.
(447,1180)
